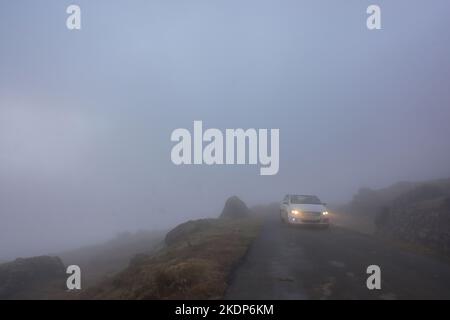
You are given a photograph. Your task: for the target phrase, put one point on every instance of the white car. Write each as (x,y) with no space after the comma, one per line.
(304,210)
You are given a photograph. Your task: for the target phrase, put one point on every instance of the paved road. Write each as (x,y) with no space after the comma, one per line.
(302,263)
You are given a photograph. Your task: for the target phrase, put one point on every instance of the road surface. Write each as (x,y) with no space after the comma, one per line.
(302,263)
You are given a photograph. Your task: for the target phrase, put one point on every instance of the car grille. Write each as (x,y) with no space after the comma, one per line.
(312,214)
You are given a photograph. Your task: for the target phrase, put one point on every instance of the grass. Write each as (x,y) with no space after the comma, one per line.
(195,266)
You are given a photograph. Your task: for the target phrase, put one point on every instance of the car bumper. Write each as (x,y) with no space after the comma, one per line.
(310,222)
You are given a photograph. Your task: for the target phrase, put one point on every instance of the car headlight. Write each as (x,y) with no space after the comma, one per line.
(295,212)
(325,213)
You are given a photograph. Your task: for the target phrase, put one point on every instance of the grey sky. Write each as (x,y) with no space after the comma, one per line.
(86,117)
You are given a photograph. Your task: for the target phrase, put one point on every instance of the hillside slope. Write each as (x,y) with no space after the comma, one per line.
(106,259)
(414,212)
(195,263)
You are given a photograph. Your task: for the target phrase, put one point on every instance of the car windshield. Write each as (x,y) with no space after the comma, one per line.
(297,199)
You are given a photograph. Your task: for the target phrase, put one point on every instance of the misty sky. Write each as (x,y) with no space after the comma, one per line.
(86,116)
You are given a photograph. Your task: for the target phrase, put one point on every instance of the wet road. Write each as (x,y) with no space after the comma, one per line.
(302,263)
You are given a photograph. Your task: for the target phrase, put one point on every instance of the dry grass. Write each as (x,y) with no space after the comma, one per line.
(196,266)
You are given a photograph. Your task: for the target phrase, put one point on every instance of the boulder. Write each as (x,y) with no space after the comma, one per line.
(235,208)
(29,277)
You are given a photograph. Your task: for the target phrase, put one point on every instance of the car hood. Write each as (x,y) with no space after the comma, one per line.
(308,207)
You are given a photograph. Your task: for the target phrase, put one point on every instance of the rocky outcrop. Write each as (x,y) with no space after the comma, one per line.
(235,208)
(369,202)
(184,231)
(196,263)
(421,216)
(31,278)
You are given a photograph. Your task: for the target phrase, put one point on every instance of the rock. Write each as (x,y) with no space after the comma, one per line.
(420,216)
(28,278)
(183,231)
(235,208)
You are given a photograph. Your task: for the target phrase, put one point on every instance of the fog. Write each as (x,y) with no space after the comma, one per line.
(86,116)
